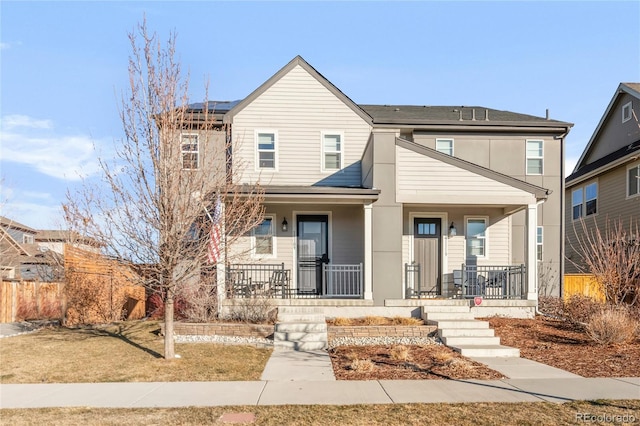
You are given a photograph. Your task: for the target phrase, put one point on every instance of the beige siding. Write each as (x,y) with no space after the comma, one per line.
(299,109)
(367,165)
(613,204)
(421,178)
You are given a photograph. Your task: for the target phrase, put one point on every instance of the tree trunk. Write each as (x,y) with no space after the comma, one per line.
(169,347)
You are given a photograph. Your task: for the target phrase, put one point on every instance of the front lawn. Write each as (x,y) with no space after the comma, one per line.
(123,352)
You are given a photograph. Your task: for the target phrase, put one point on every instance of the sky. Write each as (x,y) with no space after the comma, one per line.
(63,68)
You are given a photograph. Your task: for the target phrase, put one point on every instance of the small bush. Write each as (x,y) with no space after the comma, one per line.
(442,356)
(580,309)
(399,353)
(372,320)
(341,322)
(611,326)
(254,311)
(406,321)
(551,305)
(362,365)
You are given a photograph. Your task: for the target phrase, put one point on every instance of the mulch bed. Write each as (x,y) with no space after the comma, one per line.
(565,345)
(422,362)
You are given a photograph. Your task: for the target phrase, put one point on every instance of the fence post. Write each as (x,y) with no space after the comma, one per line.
(360,281)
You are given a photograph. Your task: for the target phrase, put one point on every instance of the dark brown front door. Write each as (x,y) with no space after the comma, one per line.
(427,252)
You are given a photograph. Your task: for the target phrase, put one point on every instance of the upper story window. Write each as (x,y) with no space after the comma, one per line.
(626,112)
(445,146)
(633,181)
(476,236)
(27,239)
(584,201)
(539,243)
(266,149)
(534,157)
(332,150)
(189,150)
(263,237)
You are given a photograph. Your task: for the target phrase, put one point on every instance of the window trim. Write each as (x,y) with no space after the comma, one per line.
(628,105)
(527,157)
(257,150)
(183,151)
(451,140)
(540,243)
(27,239)
(323,134)
(581,189)
(583,202)
(587,200)
(628,182)
(485,238)
(274,233)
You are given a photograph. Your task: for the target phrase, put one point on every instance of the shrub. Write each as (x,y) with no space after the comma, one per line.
(580,309)
(611,326)
(400,353)
(257,310)
(406,321)
(341,321)
(362,365)
(442,356)
(550,305)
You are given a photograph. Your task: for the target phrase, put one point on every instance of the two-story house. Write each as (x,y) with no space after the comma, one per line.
(377,206)
(605,184)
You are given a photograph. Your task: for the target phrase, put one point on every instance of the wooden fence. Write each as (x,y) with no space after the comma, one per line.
(583,285)
(20,300)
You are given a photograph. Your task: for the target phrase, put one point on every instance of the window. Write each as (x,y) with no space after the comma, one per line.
(534,157)
(331,151)
(445,146)
(189,148)
(539,243)
(476,237)
(584,201)
(591,199)
(266,150)
(27,239)
(633,181)
(576,202)
(626,112)
(263,237)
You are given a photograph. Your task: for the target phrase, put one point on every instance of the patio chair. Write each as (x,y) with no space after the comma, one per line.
(279,283)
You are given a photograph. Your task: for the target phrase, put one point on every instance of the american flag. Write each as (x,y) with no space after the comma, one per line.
(213,249)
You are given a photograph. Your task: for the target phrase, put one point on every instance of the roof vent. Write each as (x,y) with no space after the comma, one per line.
(547,113)
(486,115)
(460,119)
(397,109)
(473,114)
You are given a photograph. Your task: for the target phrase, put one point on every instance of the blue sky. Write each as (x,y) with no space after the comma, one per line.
(64,66)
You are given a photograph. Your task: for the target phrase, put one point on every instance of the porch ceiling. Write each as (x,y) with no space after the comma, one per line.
(319,194)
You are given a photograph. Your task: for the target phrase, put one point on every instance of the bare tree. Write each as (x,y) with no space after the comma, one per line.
(170,188)
(612,255)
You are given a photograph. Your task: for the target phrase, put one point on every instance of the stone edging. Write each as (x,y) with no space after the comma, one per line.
(335,332)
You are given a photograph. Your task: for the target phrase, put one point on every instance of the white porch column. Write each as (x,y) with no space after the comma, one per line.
(368,252)
(531,258)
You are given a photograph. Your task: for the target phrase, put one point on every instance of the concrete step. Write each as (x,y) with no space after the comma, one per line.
(300,346)
(461,332)
(300,336)
(446,308)
(300,310)
(471,340)
(448,316)
(301,317)
(443,302)
(486,350)
(442,324)
(306,327)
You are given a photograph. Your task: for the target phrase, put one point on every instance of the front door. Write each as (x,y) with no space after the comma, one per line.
(427,252)
(312,248)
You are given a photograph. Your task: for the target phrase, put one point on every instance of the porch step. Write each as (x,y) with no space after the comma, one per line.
(470,340)
(301,328)
(446,308)
(465,332)
(445,324)
(434,316)
(486,350)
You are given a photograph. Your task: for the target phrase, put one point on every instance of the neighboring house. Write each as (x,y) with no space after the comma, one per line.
(385,205)
(55,240)
(19,253)
(605,184)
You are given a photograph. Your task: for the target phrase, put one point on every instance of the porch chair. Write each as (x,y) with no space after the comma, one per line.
(279,283)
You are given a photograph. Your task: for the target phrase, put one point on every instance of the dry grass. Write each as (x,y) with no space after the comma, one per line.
(542,413)
(362,365)
(611,326)
(399,353)
(375,320)
(124,352)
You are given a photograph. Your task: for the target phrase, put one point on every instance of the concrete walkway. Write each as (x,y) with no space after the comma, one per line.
(288,365)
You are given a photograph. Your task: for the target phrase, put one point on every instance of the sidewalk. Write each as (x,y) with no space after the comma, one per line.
(307,378)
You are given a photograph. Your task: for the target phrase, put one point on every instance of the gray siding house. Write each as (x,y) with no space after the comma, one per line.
(605,184)
(387,206)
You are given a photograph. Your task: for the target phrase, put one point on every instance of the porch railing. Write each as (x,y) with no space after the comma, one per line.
(342,280)
(415,286)
(257,280)
(491,282)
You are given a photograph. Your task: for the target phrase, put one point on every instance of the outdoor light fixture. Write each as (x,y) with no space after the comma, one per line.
(285,225)
(452,230)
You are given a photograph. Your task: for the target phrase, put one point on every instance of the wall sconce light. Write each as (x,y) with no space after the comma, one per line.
(285,225)
(452,230)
